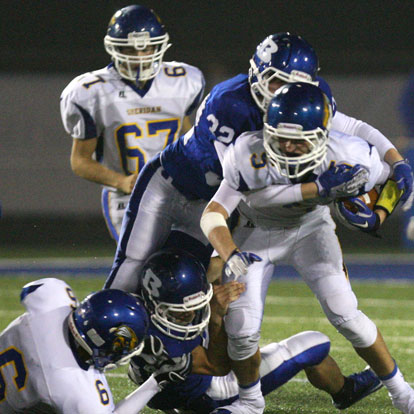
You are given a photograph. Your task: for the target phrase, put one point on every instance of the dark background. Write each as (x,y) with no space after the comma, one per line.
(350,36)
(44,44)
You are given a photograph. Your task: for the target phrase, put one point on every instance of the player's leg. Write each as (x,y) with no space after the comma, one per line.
(113,209)
(318,258)
(309,351)
(146,226)
(282,361)
(243,323)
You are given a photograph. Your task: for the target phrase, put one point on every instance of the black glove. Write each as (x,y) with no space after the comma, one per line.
(174,370)
(154,359)
(148,361)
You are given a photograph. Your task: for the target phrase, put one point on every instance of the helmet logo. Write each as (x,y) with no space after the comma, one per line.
(114,17)
(152,283)
(265,50)
(125,339)
(194,298)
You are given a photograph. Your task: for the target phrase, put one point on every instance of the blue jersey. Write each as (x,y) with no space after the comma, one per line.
(228,111)
(192,161)
(180,394)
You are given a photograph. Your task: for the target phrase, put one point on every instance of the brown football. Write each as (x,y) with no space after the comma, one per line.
(369,198)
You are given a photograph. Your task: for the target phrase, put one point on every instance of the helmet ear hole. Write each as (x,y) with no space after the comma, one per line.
(175,289)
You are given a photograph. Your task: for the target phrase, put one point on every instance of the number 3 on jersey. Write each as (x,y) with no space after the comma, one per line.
(14,358)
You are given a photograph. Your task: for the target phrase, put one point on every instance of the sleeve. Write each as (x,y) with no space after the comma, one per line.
(138,399)
(228,197)
(44,295)
(76,118)
(199,96)
(231,172)
(352,126)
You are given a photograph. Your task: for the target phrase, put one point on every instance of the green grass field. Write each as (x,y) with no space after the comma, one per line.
(290,308)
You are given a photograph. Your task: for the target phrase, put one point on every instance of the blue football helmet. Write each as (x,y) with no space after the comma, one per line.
(326,89)
(110,326)
(299,113)
(176,293)
(137,28)
(282,56)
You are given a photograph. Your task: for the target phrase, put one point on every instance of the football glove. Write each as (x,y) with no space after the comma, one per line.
(150,359)
(364,219)
(174,370)
(341,180)
(237,264)
(403,176)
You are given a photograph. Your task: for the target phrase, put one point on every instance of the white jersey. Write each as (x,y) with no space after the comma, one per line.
(132,124)
(37,364)
(246,170)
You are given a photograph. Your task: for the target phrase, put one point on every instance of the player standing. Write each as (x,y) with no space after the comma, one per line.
(294,147)
(122,115)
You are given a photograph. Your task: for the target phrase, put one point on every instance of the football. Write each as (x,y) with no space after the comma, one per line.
(369,198)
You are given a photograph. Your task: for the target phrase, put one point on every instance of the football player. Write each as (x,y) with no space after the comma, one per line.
(295,145)
(122,115)
(174,187)
(53,357)
(178,297)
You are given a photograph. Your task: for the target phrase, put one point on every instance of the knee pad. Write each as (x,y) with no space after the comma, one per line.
(242,347)
(360,331)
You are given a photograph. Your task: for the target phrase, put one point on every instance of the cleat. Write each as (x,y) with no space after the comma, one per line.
(360,385)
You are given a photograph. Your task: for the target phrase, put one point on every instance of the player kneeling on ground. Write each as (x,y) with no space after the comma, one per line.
(180,301)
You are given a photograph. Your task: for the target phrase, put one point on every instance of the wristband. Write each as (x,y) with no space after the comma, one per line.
(210,221)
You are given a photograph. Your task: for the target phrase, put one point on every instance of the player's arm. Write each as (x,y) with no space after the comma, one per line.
(337,181)
(369,220)
(401,169)
(214,360)
(84,165)
(214,226)
(138,399)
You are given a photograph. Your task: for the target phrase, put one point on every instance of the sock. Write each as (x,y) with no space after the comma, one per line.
(251,392)
(395,382)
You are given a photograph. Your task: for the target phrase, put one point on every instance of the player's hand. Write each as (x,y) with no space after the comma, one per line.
(364,219)
(224,295)
(151,358)
(403,175)
(128,182)
(153,352)
(174,370)
(237,264)
(341,180)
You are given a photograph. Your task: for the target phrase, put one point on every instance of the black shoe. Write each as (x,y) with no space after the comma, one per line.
(357,386)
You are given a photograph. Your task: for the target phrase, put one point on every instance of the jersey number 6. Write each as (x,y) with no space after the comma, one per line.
(12,356)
